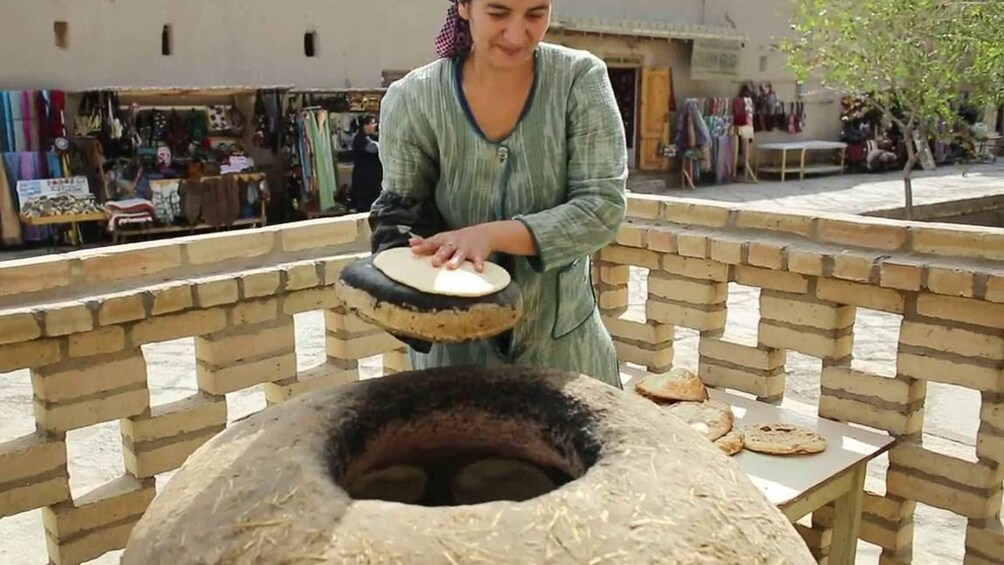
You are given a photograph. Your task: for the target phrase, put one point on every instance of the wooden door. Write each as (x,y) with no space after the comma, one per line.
(653,123)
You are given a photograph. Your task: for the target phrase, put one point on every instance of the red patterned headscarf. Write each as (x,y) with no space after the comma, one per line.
(455,37)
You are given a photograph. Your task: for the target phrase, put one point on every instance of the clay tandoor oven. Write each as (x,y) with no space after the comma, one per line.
(463,465)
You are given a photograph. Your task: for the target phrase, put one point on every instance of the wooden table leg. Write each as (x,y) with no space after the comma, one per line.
(801,166)
(784,163)
(847,520)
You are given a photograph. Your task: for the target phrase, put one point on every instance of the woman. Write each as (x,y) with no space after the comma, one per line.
(367,172)
(509,150)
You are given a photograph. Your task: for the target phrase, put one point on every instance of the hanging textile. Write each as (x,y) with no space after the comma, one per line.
(10,221)
(28,166)
(317,160)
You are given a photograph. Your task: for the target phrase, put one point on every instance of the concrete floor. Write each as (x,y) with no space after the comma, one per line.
(951,418)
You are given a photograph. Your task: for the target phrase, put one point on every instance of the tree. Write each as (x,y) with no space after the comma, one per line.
(920,57)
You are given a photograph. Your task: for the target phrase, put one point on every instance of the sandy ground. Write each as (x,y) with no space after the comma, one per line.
(951,419)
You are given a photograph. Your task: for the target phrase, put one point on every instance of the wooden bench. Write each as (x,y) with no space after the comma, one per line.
(802,148)
(800,485)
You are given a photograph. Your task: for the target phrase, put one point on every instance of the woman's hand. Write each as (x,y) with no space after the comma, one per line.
(452,248)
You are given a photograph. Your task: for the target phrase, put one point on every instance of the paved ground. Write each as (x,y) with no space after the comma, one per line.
(951,412)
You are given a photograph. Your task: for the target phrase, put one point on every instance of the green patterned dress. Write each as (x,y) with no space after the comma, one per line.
(562,172)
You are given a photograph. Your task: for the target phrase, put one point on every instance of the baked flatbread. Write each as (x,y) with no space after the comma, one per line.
(401,265)
(678,384)
(731,443)
(399,483)
(713,418)
(782,439)
(488,480)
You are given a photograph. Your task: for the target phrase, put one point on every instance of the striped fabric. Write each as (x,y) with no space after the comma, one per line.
(562,172)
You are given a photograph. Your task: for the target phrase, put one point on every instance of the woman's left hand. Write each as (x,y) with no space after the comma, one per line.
(452,248)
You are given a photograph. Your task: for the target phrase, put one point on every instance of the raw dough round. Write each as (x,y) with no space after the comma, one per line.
(713,418)
(399,483)
(678,384)
(492,479)
(400,264)
(782,439)
(731,443)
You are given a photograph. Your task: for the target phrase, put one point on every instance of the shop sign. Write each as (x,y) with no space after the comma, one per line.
(29,190)
(715,59)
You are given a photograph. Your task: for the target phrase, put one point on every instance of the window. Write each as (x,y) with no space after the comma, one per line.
(310,44)
(61,31)
(166,40)
(763,63)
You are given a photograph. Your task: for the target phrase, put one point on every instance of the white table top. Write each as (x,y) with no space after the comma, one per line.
(783,478)
(803,145)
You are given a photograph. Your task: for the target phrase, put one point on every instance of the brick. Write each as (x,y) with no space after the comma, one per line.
(853,266)
(18,327)
(992,411)
(973,474)
(794,310)
(690,244)
(695,268)
(863,295)
(631,235)
(959,241)
(990,445)
(630,256)
(33,474)
(396,361)
(155,459)
(24,276)
(872,233)
(767,255)
(360,347)
(254,312)
(680,211)
(236,346)
(942,492)
(764,386)
(309,300)
(299,277)
(28,354)
(775,222)
(900,391)
(318,378)
(74,381)
(880,417)
(887,508)
(216,292)
(332,267)
(680,314)
(60,418)
(988,541)
(260,283)
(612,300)
(316,234)
(952,340)
(121,309)
(644,206)
(950,282)
(772,334)
(121,498)
(220,380)
(691,291)
(661,240)
(902,276)
(964,310)
(807,262)
(97,342)
(216,248)
(167,328)
(771,280)
(171,298)
(951,371)
(615,274)
(656,358)
(995,288)
(130,262)
(728,250)
(760,358)
(163,440)
(648,332)
(69,318)
(342,323)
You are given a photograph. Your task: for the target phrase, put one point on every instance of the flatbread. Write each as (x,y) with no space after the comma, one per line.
(492,479)
(713,418)
(731,443)
(678,384)
(782,439)
(401,265)
(399,483)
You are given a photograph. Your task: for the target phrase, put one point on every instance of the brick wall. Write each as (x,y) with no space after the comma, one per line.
(78,322)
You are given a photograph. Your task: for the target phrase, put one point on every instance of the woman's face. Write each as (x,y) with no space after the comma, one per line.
(506,31)
(370,128)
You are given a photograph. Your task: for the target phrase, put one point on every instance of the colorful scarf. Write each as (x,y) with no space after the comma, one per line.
(455,37)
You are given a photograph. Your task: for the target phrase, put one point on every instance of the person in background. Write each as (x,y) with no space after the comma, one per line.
(509,150)
(367,171)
